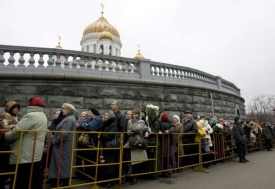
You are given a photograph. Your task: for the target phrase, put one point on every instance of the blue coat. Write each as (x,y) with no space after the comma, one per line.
(94,124)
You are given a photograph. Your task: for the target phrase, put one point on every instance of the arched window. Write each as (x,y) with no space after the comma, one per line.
(238,112)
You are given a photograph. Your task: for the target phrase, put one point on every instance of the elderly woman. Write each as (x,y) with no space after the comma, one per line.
(57,117)
(110,156)
(81,118)
(167,143)
(92,123)
(179,129)
(136,131)
(60,165)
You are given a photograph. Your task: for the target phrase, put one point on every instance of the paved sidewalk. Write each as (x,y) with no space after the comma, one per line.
(257,174)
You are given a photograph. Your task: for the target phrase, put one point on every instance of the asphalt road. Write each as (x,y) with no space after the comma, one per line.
(259,173)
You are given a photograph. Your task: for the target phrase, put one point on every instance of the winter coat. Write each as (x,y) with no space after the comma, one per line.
(207,128)
(121,121)
(94,124)
(64,154)
(179,129)
(189,126)
(9,119)
(266,133)
(167,141)
(110,156)
(238,133)
(136,130)
(35,119)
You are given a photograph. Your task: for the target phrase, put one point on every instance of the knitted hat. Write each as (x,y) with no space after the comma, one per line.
(36,101)
(176,117)
(164,117)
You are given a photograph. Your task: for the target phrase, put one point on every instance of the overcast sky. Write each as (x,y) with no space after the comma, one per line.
(234,39)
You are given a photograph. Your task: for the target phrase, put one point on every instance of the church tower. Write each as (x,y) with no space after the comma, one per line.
(101,37)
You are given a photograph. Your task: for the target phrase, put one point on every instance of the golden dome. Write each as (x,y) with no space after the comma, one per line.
(139,55)
(99,26)
(105,34)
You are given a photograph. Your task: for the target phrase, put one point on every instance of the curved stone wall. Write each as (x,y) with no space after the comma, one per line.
(84,93)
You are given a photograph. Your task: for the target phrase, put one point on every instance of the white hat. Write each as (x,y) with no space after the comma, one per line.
(177,117)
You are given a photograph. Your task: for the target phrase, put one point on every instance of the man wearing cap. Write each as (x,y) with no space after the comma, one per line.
(34,120)
(240,139)
(62,147)
(189,128)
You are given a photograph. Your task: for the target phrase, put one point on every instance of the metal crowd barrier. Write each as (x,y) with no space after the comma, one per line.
(160,162)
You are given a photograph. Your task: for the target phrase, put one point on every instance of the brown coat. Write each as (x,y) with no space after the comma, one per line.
(179,129)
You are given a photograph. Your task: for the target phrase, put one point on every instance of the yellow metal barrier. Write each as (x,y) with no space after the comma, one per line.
(193,156)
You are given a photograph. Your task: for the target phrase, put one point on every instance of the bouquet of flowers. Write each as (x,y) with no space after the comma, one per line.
(217,128)
(152,112)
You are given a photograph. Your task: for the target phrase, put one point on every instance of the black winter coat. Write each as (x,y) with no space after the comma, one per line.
(238,133)
(189,126)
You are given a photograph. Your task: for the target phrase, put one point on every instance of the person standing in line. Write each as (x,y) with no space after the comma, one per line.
(10,115)
(240,140)
(34,120)
(189,128)
(122,127)
(121,119)
(268,137)
(62,147)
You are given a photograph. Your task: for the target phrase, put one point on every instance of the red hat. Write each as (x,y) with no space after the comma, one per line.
(164,117)
(36,101)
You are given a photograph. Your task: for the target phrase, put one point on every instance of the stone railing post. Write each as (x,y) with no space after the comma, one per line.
(219,82)
(144,70)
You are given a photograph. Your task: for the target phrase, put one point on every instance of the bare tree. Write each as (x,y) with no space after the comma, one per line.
(261,108)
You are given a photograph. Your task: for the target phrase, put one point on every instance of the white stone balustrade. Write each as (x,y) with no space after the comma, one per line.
(60,61)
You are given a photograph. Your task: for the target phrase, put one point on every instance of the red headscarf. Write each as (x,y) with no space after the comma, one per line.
(36,101)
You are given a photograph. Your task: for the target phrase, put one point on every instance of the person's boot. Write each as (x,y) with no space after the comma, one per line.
(130,169)
(134,181)
(242,160)
(245,159)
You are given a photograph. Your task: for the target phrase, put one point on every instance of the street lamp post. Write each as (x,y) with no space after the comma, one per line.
(212,104)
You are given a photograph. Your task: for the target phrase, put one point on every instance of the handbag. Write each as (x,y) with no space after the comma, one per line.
(114,143)
(84,139)
(139,143)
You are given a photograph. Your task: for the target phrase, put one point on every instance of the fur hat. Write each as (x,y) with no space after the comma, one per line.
(10,105)
(68,107)
(36,101)
(176,117)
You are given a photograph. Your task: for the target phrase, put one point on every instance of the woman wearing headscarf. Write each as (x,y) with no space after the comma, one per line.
(179,152)
(10,115)
(136,130)
(110,156)
(60,165)
(167,143)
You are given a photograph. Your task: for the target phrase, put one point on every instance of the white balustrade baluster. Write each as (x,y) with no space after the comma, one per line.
(40,61)
(31,60)
(21,60)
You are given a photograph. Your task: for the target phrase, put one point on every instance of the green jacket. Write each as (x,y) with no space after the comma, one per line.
(35,119)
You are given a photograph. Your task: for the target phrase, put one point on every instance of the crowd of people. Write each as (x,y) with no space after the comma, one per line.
(160,145)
